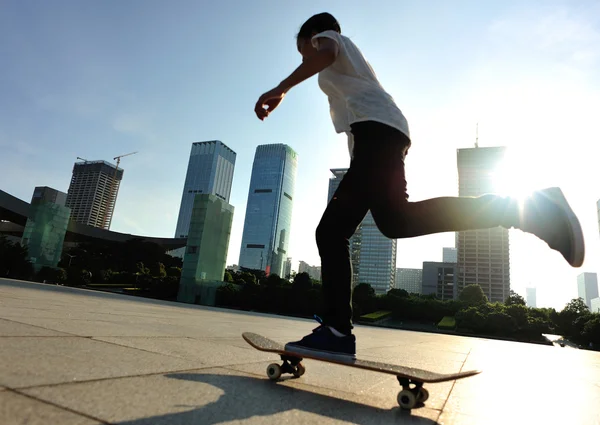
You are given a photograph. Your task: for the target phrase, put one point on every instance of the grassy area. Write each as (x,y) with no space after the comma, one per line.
(374,317)
(447,322)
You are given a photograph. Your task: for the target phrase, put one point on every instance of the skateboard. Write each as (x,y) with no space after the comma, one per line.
(410,379)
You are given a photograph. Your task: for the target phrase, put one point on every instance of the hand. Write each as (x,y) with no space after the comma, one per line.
(271,100)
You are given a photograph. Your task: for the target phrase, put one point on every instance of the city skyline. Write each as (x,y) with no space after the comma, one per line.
(96,86)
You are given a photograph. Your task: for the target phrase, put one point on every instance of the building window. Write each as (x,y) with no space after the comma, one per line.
(287,195)
(192,249)
(263,190)
(250,245)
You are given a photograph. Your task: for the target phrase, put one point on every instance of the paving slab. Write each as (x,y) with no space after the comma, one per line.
(30,361)
(198,351)
(10,328)
(16,409)
(214,396)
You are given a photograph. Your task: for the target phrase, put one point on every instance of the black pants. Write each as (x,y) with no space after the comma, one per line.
(376,181)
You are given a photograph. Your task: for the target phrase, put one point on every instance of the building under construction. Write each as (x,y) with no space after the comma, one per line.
(93,192)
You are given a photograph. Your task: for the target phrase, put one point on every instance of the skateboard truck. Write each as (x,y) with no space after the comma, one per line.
(412,393)
(290,364)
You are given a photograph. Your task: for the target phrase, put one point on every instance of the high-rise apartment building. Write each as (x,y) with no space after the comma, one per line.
(409,279)
(266,235)
(93,192)
(313,271)
(210,172)
(483,255)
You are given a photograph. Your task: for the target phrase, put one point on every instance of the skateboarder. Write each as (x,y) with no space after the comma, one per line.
(378,142)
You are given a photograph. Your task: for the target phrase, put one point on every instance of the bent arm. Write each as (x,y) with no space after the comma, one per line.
(326,54)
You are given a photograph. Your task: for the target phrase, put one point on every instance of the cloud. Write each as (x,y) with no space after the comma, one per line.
(136,122)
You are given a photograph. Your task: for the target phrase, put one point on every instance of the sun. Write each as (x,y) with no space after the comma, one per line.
(517,176)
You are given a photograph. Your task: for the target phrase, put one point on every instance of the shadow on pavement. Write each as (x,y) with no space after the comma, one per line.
(245,397)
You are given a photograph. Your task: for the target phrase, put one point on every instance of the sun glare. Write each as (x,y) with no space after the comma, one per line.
(517,177)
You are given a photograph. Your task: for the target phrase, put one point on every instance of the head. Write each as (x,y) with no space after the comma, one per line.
(314,25)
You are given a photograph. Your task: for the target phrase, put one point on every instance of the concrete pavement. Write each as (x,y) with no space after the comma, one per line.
(73,356)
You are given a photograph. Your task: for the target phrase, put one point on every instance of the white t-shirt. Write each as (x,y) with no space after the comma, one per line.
(353,90)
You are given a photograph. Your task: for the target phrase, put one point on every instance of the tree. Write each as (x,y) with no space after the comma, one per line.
(400,293)
(248,278)
(141,268)
(515,299)
(473,295)
(174,272)
(576,307)
(591,330)
(227,277)
(13,260)
(302,282)
(273,280)
(158,270)
(364,298)
(51,275)
(519,313)
(471,319)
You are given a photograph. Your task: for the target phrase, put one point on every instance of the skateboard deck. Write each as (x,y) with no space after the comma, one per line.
(411,379)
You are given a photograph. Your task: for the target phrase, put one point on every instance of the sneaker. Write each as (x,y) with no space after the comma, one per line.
(549,217)
(323,343)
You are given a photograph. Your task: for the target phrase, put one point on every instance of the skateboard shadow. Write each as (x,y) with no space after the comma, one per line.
(246,397)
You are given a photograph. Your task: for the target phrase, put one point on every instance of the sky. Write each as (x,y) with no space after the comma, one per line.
(101,79)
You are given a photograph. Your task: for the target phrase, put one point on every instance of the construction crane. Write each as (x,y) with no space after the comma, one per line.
(105,221)
(83,159)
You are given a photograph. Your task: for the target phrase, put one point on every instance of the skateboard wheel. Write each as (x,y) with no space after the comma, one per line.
(423,395)
(300,369)
(406,399)
(273,371)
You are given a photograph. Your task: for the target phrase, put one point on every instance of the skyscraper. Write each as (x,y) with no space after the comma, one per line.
(483,255)
(587,287)
(410,280)
(450,255)
(287,269)
(92,196)
(377,257)
(531,297)
(266,235)
(210,171)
